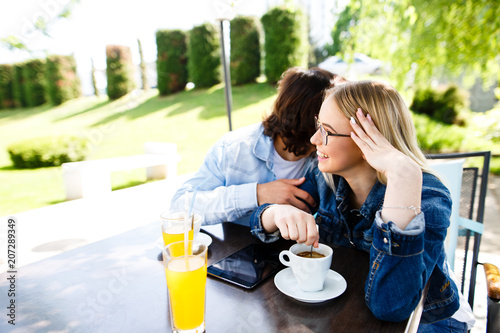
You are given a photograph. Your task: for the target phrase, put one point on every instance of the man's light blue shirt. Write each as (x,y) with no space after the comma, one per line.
(228,178)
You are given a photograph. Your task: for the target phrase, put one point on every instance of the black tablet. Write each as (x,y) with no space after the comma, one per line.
(248,266)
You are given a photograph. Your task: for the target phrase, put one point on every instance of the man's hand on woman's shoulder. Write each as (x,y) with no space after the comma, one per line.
(285,191)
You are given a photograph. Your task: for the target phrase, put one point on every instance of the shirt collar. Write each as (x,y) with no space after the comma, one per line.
(263,148)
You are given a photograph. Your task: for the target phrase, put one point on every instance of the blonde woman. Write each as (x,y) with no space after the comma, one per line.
(375,192)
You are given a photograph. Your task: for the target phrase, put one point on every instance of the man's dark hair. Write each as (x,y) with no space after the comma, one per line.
(300,94)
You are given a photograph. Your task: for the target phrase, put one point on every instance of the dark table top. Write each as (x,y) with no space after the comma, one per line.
(118,285)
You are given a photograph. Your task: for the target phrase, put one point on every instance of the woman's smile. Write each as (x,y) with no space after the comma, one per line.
(321,156)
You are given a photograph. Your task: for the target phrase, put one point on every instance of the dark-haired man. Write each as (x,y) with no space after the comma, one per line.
(264,162)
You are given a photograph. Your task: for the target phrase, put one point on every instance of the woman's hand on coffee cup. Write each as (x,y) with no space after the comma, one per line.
(293,223)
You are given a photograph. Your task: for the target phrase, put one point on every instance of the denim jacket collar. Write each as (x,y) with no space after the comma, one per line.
(373,202)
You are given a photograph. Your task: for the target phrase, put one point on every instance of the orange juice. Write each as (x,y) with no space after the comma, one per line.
(186,280)
(175,233)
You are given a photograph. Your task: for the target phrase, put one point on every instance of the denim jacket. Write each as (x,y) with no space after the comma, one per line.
(227,180)
(401,262)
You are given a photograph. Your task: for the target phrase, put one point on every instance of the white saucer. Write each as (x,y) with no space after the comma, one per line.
(204,238)
(334,286)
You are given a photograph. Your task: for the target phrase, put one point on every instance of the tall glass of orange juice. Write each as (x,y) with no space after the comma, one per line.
(173,224)
(186,274)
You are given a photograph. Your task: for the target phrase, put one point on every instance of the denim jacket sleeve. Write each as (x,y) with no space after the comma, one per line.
(256,226)
(215,201)
(309,186)
(401,262)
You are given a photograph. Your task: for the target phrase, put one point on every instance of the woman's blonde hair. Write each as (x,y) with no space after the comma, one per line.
(389,113)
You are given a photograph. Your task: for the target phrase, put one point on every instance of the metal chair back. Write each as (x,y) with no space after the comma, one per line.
(471,216)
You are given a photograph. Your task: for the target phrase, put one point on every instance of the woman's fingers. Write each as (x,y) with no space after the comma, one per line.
(358,130)
(294,231)
(312,234)
(368,126)
(360,138)
(297,225)
(376,149)
(368,132)
(282,225)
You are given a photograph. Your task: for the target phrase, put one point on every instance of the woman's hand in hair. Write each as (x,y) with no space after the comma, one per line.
(377,150)
(404,176)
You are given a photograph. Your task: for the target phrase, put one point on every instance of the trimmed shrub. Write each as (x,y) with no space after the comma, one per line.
(204,56)
(50,151)
(445,105)
(18,88)
(63,83)
(171,63)
(6,86)
(119,71)
(285,43)
(34,82)
(245,50)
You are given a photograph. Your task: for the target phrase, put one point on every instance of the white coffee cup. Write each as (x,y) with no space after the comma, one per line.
(309,272)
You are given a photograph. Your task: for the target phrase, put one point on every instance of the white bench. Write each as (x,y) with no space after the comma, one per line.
(93,178)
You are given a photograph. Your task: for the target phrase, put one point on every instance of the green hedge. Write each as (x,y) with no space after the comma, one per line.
(171,61)
(18,89)
(437,137)
(34,82)
(6,86)
(119,71)
(245,50)
(444,105)
(286,43)
(50,151)
(63,83)
(204,56)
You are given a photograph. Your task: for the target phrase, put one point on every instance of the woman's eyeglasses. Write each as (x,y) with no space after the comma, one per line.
(325,133)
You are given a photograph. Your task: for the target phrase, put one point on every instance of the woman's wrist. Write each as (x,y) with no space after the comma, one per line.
(402,201)
(267,219)
(404,170)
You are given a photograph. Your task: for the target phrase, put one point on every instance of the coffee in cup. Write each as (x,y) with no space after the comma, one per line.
(311,254)
(309,272)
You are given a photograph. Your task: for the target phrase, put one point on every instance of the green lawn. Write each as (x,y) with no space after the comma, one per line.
(193,120)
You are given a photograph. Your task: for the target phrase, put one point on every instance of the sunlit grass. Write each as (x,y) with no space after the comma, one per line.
(193,120)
